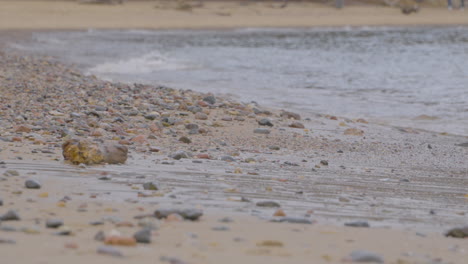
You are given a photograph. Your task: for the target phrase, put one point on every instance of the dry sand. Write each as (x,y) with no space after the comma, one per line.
(170,14)
(409,185)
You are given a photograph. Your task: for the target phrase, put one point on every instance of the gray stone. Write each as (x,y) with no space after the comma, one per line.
(188,214)
(191,126)
(290,115)
(150,186)
(292,220)
(365,256)
(10,216)
(96,223)
(264,131)
(172,260)
(185,139)
(10,173)
(54,223)
(32,184)
(179,155)
(357,224)
(100,236)
(210,99)
(143,236)
(220,228)
(7,241)
(110,251)
(8,228)
(297,125)
(458,232)
(274,147)
(268,204)
(227,158)
(226,220)
(265,122)
(1,202)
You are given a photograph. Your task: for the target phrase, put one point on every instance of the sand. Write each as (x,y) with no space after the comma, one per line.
(170,14)
(408,184)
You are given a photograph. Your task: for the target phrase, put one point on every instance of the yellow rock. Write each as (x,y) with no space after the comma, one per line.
(43,195)
(84,151)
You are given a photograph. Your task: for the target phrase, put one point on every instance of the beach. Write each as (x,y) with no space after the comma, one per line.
(271,185)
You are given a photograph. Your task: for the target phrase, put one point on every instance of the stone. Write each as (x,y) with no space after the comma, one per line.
(120,240)
(357,224)
(226,220)
(185,139)
(10,173)
(100,236)
(32,184)
(83,151)
(279,212)
(110,251)
(290,115)
(1,202)
(210,99)
(10,216)
(179,155)
(143,236)
(458,232)
(7,241)
(54,223)
(264,131)
(227,158)
(270,243)
(265,122)
(296,125)
(201,116)
(188,214)
(324,162)
(153,186)
(172,260)
(268,204)
(292,220)
(365,256)
(220,228)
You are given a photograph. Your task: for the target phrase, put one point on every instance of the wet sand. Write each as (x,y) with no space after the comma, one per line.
(409,185)
(187,14)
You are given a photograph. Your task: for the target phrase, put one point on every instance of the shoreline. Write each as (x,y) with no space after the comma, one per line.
(225,15)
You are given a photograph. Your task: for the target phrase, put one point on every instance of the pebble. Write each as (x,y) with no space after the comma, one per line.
(354,132)
(357,224)
(54,223)
(120,240)
(292,220)
(268,204)
(188,214)
(172,260)
(143,236)
(227,158)
(96,223)
(210,99)
(290,115)
(265,122)
(179,155)
(226,220)
(10,216)
(365,256)
(1,202)
(324,162)
(100,236)
(185,139)
(10,173)
(150,186)
(297,125)
(32,184)
(7,241)
(201,116)
(458,232)
(264,131)
(110,251)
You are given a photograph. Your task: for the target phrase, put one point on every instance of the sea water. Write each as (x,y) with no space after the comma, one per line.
(402,76)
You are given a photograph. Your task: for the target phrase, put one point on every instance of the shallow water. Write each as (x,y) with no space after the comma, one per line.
(390,75)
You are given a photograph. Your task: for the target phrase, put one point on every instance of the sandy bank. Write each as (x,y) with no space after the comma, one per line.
(166,14)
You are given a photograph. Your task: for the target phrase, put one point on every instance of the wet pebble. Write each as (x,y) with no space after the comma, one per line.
(11,215)
(54,223)
(290,115)
(264,131)
(32,184)
(226,220)
(143,236)
(210,99)
(268,204)
(292,220)
(110,251)
(188,214)
(458,232)
(185,140)
(179,155)
(265,122)
(150,186)
(365,257)
(296,125)
(227,158)
(7,241)
(357,224)
(100,236)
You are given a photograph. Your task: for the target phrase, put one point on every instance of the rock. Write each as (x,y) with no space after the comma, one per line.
(290,115)
(354,132)
(358,224)
(296,125)
(274,147)
(153,186)
(185,139)
(32,184)
(268,204)
(264,131)
(210,99)
(201,116)
(143,236)
(10,173)
(270,243)
(265,122)
(152,116)
(100,236)
(458,232)
(227,158)
(226,220)
(120,240)
(324,162)
(172,260)
(365,256)
(54,223)
(110,251)
(1,202)
(179,155)
(226,118)
(86,152)
(279,212)
(292,220)
(10,216)
(96,223)
(188,214)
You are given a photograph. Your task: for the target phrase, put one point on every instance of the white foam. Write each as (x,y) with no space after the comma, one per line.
(151,62)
